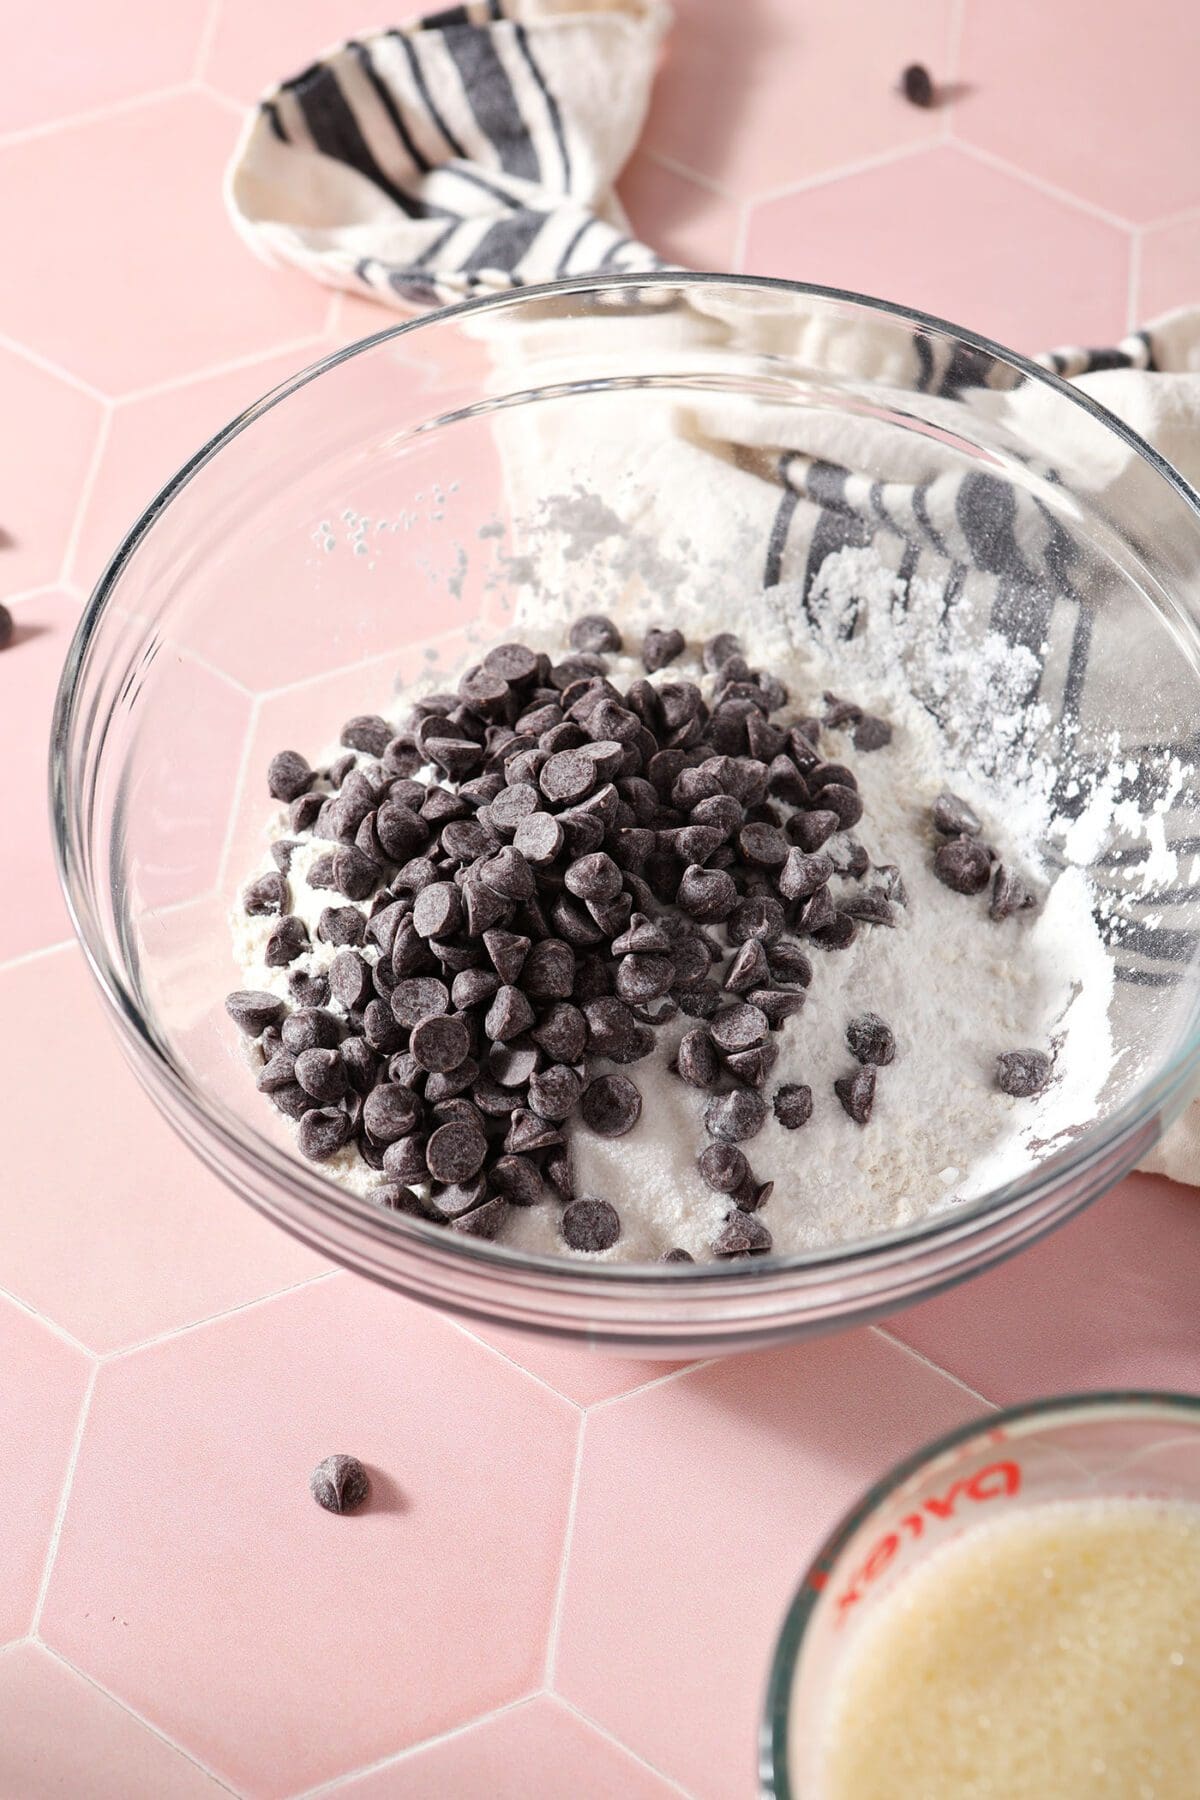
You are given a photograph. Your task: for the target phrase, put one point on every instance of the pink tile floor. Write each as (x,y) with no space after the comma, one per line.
(590,1618)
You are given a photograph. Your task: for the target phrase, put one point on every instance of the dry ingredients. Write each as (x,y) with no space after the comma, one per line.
(546,874)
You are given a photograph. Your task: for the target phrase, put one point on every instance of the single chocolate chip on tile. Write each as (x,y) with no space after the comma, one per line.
(391,1111)
(289,776)
(724,1167)
(954,816)
(964,865)
(252,1010)
(660,647)
(792,1104)
(595,634)
(339,1484)
(323,1131)
(857,1094)
(456,1151)
(288,940)
(590,1225)
(743,1234)
(611,1105)
(1009,894)
(735,1117)
(916,84)
(440,1043)
(1023,1073)
(871,1040)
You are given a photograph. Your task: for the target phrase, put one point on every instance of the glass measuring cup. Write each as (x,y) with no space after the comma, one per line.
(1082,1447)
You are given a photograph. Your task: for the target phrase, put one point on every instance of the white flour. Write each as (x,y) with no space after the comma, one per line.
(956,987)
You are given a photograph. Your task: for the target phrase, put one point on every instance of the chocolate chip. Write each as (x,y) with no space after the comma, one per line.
(735,1117)
(707,893)
(749,968)
(812,829)
(419,997)
(838,934)
(555,1093)
(568,777)
(446,1084)
(464,839)
(857,1094)
(1023,1073)
(916,84)
(872,733)
(718,650)
(1009,894)
(699,1001)
(763,845)
(802,874)
(696,1059)
(871,1040)
(367,732)
(350,979)
(440,1043)
(456,1151)
(252,1011)
(526,1133)
(309,1028)
(743,1234)
(484,908)
(380,1029)
(473,986)
(590,1225)
(277,1072)
(954,816)
(391,1111)
(738,1028)
(754,1065)
(595,634)
(789,963)
(360,1063)
(611,1105)
(342,925)
(964,865)
(288,940)
(816,913)
(438,910)
(516,1179)
(562,1033)
(404,1160)
(776,1004)
(507,951)
(844,802)
(512,1065)
(339,1484)
(484,1221)
(355,874)
(323,1131)
(676,1256)
(724,1167)
(643,978)
(508,874)
(455,1199)
(792,1105)
(269,894)
(512,662)
(660,647)
(758,917)
(322,1074)
(509,1014)
(594,878)
(549,970)
(288,775)
(871,907)
(303,812)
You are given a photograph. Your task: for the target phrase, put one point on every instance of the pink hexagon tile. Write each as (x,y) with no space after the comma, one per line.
(110,1227)
(1107,1302)
(699,1503)
(151,438)
(583,1375)
(40,1397)
(68,59)
(538,1748)
(1170,268)
(43,466)
(945,232)
(61,1737)
(35,915)
(124,297)
(685,221)
(1099,100)
(755,97)
(198,1580)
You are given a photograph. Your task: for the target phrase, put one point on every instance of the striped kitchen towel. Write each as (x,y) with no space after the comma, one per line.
(472,151)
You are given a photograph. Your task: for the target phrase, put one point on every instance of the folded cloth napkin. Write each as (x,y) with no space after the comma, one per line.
(475,151)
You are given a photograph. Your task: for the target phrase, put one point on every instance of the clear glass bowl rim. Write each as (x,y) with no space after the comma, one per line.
(1120,1402)
(316,1193)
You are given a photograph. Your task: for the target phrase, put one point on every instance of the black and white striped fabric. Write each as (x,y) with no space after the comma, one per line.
(470,152)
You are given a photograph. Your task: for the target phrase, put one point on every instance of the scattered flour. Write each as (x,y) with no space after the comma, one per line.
(956,987)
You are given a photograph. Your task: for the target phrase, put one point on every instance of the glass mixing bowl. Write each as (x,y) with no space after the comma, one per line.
(585,443)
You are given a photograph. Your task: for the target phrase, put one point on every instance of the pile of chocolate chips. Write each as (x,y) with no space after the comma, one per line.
(587,864)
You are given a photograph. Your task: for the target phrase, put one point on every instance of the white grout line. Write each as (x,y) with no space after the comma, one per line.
(1042,186)
(674,167)
(882,159)
(237,108)
(400,1756)
(64,1495)
(233,365)
(208,32)
(113,109)
(634,1755)
(1187,215)
(1135,280)
(560,1592)
(146,1724)
(947,1375)
(29,956)
(230,1312)
(58,1331)
(67,566)
(656,1381)
(538,1380)
(16,348)
(219,674)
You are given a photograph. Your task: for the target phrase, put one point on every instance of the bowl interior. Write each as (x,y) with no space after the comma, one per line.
(694,444)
